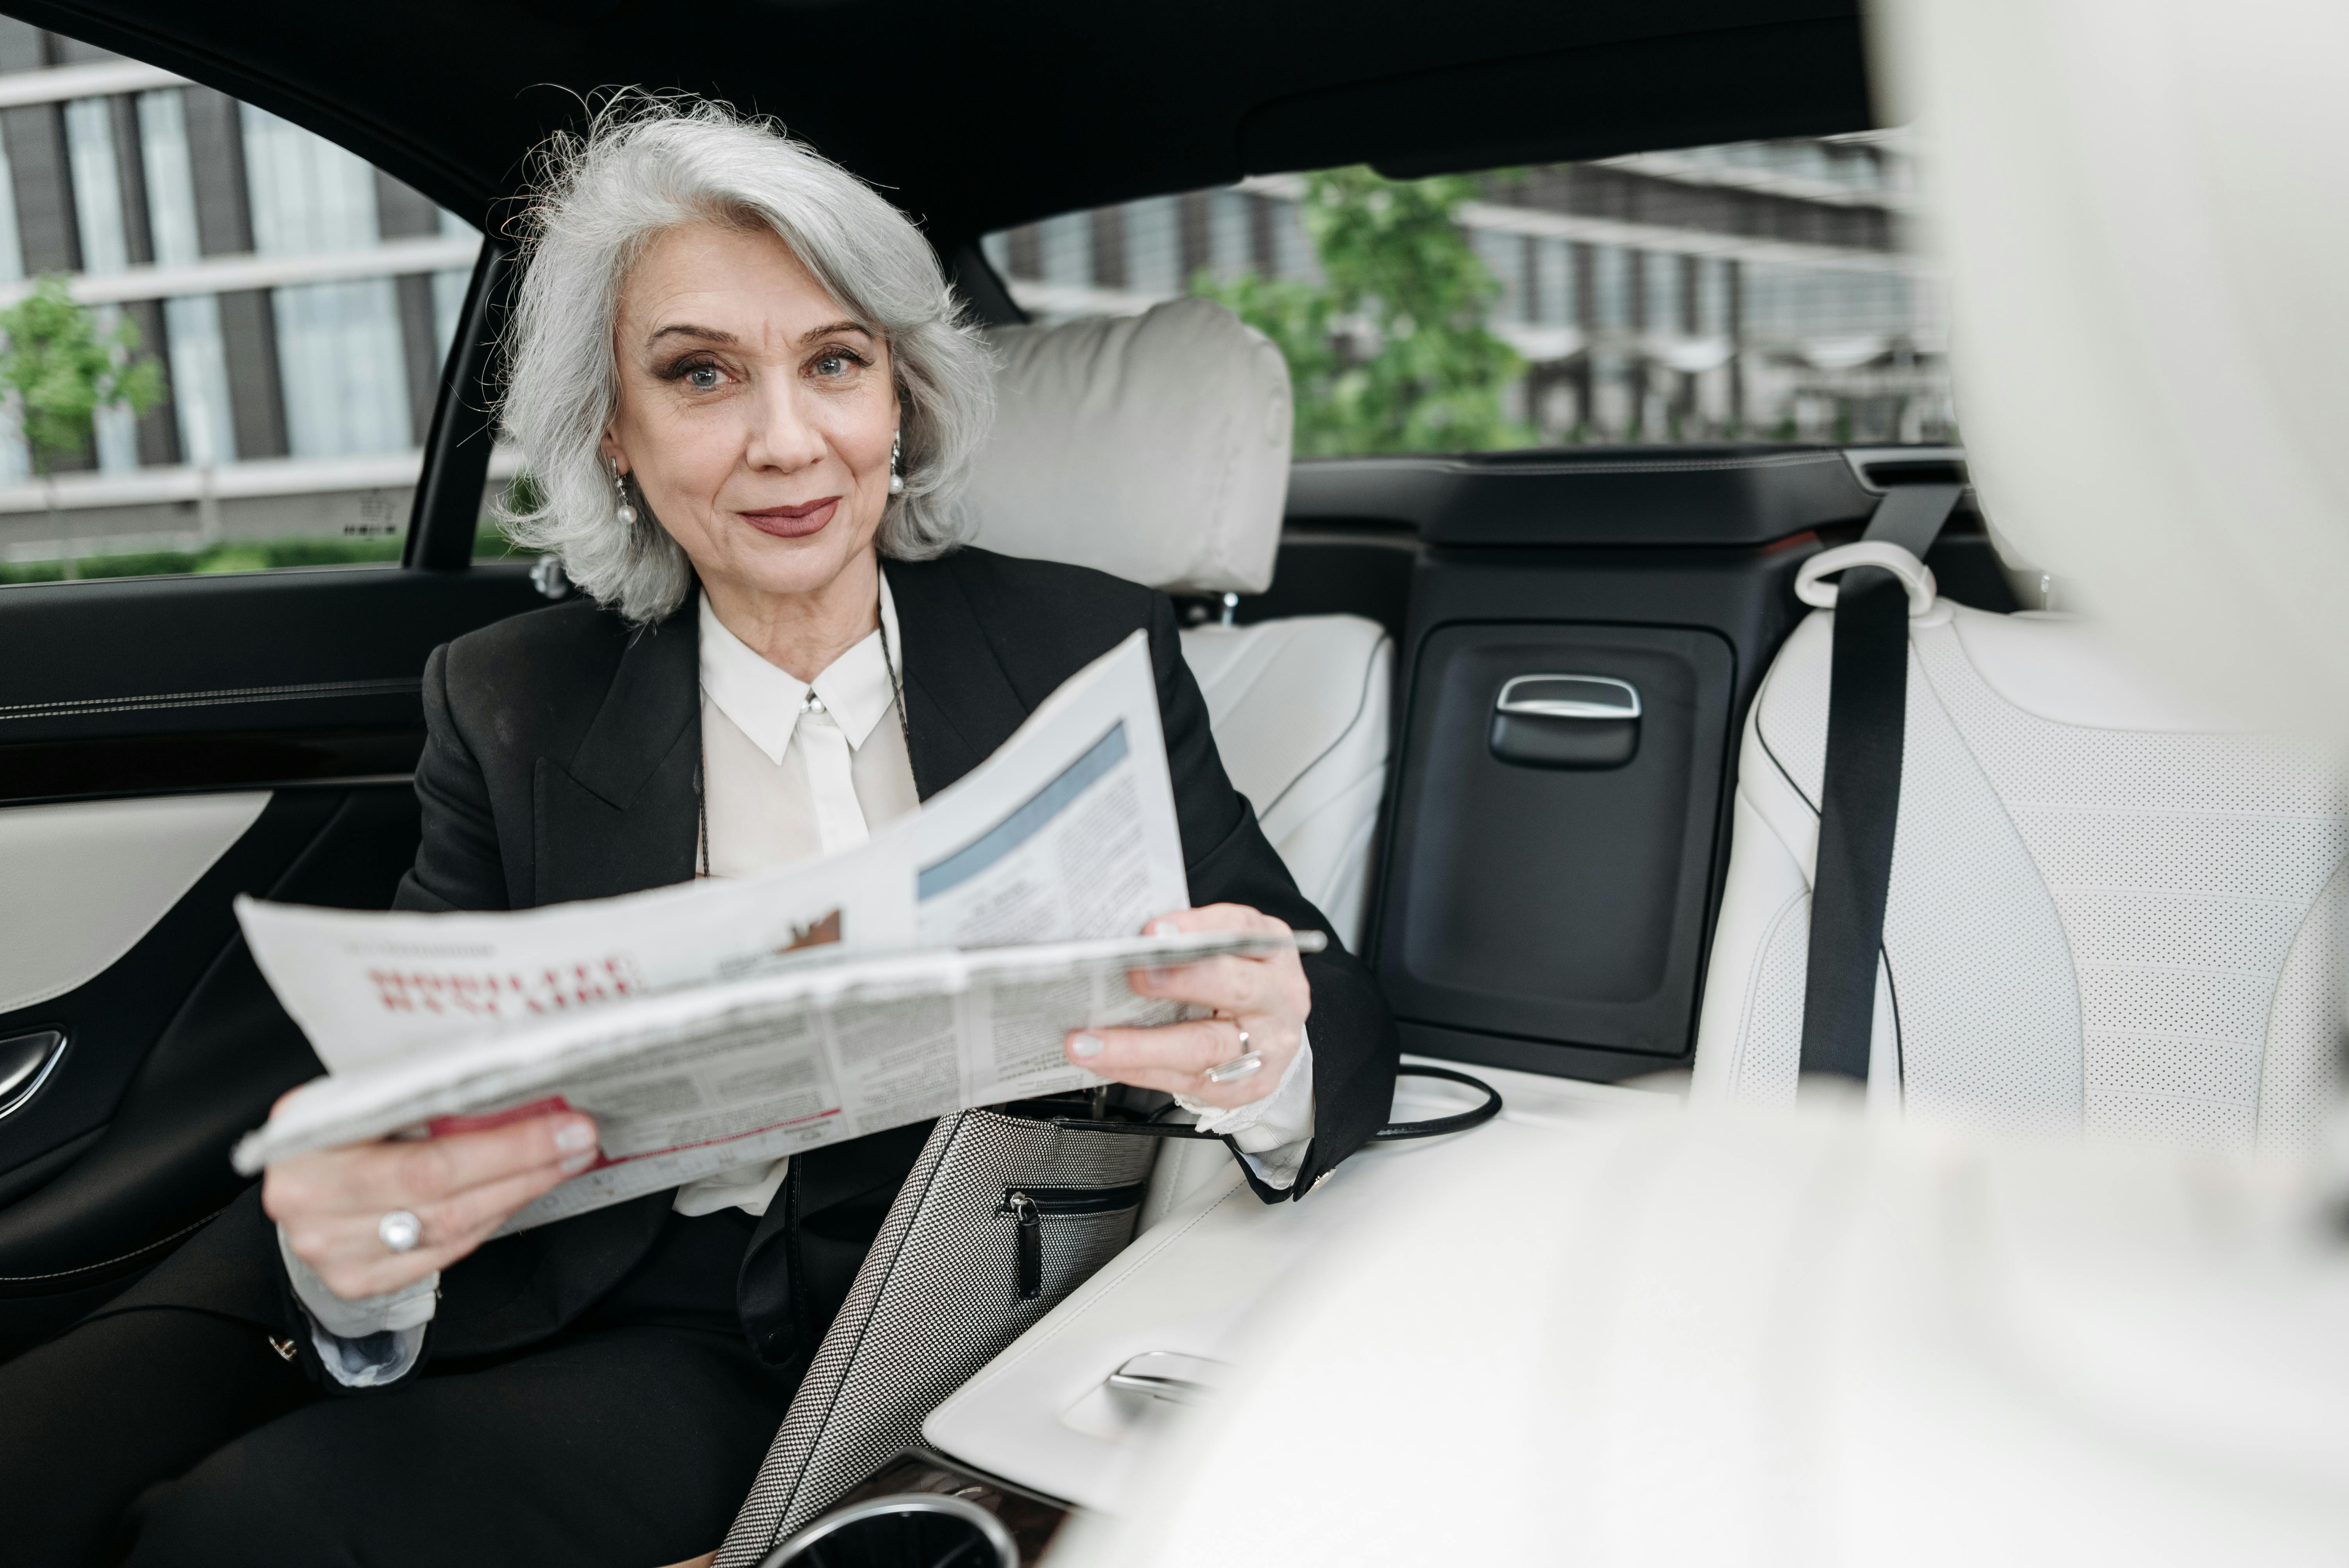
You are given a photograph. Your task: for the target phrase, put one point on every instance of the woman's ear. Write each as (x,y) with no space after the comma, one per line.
(609,449)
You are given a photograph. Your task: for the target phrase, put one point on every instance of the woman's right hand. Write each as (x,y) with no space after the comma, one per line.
(461,1188)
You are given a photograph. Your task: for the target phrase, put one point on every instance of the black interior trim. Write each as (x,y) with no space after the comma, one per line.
(315,649)
(46,772)
(1551,1058)
(1635,496)
(449,96)
(973,276)
(1799,78)
(448,509)
(300,691)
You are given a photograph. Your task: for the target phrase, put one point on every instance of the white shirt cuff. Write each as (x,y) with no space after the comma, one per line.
(373,1340)
(750,1188)
(1272,1133)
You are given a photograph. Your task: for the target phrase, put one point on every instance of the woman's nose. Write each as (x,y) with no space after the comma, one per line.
(781,437)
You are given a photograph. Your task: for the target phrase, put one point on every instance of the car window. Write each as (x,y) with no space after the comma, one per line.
(224,333)
(1760,291)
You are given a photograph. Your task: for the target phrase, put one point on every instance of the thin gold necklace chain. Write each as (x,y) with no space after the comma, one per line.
(904,728)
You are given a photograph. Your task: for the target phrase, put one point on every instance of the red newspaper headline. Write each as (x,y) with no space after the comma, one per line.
(509,995)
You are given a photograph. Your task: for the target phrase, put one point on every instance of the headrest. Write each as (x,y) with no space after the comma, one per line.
(1155,446)
(2143,210)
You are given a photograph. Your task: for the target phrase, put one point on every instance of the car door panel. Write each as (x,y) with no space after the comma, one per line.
(172,1052)
(179,706)
(99,874)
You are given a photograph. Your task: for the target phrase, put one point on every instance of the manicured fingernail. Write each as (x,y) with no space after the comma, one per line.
(575,1136)
(1086,1045)
(578,1163)
(1162,928)
(1159,977)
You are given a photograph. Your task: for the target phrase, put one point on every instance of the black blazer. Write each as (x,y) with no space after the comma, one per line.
(563,762)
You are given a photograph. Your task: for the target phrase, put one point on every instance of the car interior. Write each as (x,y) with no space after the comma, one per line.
(1542,730)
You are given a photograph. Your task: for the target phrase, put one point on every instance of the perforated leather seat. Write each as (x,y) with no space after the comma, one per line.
(1156,447)
(2107,914)
(1310,755)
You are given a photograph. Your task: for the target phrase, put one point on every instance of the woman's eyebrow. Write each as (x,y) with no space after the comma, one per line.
(836,326)
(686,329)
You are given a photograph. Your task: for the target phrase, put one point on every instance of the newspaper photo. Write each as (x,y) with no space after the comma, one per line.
(724,1023)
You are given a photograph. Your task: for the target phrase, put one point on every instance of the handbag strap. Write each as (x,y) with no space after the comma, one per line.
(1392,1132)
(1436,1127)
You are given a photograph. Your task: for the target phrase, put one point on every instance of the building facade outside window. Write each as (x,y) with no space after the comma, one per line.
(298,301)
(1761,291)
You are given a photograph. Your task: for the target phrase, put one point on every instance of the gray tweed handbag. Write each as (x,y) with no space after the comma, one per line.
(1001,1218)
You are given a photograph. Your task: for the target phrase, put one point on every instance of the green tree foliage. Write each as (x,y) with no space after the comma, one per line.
(1391,352)
(60,370)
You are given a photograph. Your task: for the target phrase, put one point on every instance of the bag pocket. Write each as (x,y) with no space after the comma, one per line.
(1068,1229)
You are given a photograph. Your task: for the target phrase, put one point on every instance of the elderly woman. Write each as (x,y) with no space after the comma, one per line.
(749,402)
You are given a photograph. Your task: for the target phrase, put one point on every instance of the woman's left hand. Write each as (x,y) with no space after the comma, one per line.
(1263,1000)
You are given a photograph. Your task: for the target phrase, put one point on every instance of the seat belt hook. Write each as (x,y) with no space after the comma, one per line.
(1914,574)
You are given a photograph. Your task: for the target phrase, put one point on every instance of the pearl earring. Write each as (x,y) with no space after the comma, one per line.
(627,515)
(897,479)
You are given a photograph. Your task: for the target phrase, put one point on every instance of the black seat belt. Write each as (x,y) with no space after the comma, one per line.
(1859,798)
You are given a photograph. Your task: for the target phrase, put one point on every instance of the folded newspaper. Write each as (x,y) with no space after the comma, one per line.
(724,1022)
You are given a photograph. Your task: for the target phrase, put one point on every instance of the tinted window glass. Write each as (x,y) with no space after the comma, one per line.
(258,317)
(1762,291)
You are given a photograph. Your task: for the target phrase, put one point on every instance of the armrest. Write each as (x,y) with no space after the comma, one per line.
(1046,1413)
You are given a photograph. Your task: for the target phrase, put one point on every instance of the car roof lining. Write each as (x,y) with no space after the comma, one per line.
(997,116)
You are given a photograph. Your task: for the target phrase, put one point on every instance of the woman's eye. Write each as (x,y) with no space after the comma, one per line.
(836,364)
(703,378)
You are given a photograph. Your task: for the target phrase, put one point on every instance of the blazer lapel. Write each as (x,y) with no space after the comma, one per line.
(623,813)
(961,704)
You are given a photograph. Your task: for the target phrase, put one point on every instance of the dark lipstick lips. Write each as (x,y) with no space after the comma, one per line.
(793,522)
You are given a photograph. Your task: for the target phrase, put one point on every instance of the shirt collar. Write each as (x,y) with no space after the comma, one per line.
(765,703)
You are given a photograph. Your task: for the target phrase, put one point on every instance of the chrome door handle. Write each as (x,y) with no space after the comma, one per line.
(1566,721)
(1171,1375)
(25,1063)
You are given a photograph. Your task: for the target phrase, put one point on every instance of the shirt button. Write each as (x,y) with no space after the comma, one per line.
(1321,1181)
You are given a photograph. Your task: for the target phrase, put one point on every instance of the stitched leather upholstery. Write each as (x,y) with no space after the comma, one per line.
(2108,914)
(1299,709)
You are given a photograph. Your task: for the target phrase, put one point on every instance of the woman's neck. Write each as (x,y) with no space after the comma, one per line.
(802,633)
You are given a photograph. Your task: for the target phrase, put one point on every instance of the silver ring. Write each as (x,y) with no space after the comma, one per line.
(399,1230)
(1240,1067)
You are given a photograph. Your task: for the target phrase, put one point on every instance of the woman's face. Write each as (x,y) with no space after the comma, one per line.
(754,414)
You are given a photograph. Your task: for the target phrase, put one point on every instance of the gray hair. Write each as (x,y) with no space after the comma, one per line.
(646,164)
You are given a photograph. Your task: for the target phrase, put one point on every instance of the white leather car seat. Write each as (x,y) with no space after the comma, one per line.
(2107,914)
(1157,448)
(1309,752)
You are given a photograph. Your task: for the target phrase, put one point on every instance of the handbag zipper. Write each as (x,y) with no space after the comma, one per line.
(1027,1206)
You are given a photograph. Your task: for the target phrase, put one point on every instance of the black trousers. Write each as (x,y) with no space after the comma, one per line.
(168,1436)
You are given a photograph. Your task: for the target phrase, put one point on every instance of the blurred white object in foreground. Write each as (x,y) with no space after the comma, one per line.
(1752,1337)
(2145,210)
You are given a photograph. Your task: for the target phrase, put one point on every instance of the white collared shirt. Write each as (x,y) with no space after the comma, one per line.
(792,768)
